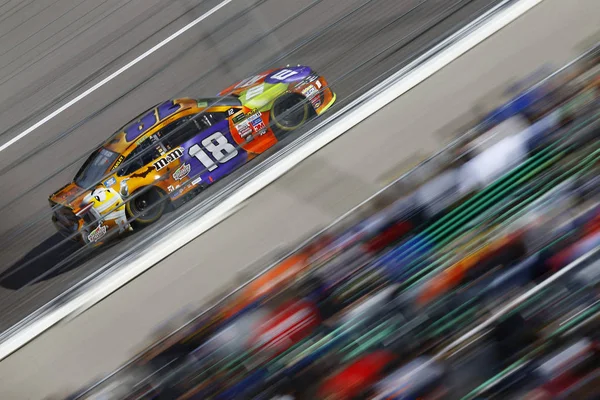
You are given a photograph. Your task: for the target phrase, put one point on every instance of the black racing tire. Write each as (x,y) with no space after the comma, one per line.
(146,206)
(289,112)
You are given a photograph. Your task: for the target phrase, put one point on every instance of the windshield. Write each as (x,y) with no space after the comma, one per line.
(95,167)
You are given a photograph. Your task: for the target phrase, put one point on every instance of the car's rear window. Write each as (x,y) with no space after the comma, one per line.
(95,167)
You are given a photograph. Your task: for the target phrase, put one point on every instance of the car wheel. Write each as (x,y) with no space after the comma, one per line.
(289,112)
(146,206)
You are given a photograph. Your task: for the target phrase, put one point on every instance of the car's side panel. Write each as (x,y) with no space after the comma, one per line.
(251,132)
(211,155)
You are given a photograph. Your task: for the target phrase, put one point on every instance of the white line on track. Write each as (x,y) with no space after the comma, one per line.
(381,95)
(114,75)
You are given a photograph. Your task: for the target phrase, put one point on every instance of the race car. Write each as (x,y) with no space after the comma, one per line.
(174,150)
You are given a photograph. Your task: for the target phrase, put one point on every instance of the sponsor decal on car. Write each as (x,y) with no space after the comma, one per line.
(179,189)
(244,129)
(238,118)
(257,122)
(182,172)
(110,182)
(309,91)
(312,94)
(118,162)
(197,180)
(97,233)
(309,79)
(316,102)
(168,159)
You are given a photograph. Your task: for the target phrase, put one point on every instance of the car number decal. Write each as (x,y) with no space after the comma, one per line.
(213,153)
(219,148)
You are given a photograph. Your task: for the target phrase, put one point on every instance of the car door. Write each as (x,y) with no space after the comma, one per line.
(211,154)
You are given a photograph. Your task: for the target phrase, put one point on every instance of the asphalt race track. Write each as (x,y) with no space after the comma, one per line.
(315,192)
(50,51)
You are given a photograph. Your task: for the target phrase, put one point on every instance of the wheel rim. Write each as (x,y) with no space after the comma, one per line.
(290,112)
(145,207)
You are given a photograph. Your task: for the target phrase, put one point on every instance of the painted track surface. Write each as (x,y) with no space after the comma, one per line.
(238,41)
(319,189)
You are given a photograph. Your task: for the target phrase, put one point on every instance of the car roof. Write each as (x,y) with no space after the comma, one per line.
(119,142)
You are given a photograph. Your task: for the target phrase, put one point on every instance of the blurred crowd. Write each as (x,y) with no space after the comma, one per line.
(474,277)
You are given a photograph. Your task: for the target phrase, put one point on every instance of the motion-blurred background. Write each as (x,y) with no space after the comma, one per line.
(474,276)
